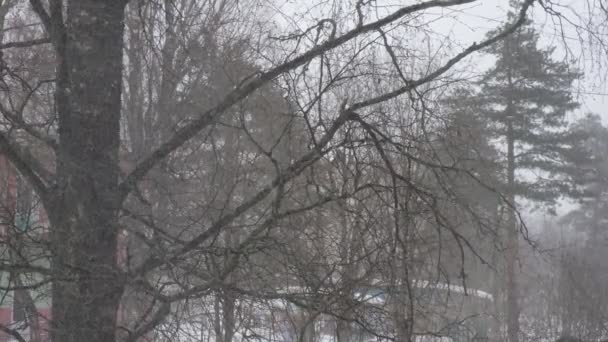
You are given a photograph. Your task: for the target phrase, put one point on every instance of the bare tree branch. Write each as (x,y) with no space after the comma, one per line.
(440,71)
(302,163)
(13,332)
(16,117)
(291,172)
(189,131)
(163,311)
(26,164)
(25,44)
(44,16)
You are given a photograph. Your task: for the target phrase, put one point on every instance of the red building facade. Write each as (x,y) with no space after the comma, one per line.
(24,306)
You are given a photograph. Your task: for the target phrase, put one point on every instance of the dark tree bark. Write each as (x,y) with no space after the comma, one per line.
(83,211)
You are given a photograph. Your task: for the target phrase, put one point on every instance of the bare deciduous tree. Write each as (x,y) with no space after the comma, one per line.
(245,168)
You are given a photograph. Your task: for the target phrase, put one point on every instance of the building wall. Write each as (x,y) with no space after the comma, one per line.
(9,224)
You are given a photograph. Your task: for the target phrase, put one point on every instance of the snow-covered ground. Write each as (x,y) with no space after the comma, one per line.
(279,320)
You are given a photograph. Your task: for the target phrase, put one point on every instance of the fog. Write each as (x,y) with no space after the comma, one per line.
(303,170)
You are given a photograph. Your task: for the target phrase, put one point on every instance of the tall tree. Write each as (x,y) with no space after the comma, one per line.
(582,267)
(525,97)
(85,194)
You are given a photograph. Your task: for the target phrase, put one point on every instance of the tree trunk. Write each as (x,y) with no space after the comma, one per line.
(33,320)
(400,319)
(84,210)
(228,296)
(344,331)
(217,321)
(307,331)
(512,245)
(497,292)
(512,291)
(229,319)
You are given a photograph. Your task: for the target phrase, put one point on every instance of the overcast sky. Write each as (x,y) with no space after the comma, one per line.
(465,24)
(472,21)
(470,24)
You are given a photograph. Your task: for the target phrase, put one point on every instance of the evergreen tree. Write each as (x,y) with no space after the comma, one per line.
(583,270)
(525,98)
(592,213)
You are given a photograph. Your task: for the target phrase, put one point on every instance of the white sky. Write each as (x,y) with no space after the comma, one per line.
(468,23)
(475,19)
